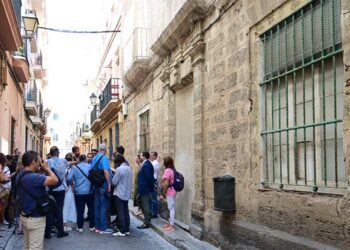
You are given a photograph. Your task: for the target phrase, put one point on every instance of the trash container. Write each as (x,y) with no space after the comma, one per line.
(224,193)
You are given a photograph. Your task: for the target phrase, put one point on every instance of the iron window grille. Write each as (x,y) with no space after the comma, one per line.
(302,92)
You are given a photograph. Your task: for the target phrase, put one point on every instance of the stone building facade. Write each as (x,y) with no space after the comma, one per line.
(214,88)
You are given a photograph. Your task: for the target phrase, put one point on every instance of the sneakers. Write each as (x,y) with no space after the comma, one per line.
(119,234)
(92,229)
(107,231)
(97,231)
(61,235)
(80,230)
(67,228)
(127,233)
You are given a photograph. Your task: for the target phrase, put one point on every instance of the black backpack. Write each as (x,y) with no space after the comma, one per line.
(96,176)
(179,181)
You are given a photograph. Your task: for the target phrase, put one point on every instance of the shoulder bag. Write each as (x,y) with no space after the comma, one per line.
(45,204)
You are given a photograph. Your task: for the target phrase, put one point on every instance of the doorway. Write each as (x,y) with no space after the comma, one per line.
(184,151)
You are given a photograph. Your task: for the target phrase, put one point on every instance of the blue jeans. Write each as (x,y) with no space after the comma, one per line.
(101,204)
(154,201)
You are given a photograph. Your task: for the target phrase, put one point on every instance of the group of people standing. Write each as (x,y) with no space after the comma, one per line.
(70,185)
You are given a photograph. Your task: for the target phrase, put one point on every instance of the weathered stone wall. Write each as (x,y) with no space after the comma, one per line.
(153,94)
(220,57)
(232,125)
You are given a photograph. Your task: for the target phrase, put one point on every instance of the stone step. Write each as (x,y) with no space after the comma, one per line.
(179,237)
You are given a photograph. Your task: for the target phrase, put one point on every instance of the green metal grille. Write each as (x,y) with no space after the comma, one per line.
(302,89)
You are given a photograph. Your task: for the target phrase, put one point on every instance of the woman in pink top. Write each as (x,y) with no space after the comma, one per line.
(168,191)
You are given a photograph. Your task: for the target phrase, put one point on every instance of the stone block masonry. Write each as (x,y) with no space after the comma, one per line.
(222,57)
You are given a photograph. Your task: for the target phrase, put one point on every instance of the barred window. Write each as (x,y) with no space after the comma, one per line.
(302,90)
(144,131)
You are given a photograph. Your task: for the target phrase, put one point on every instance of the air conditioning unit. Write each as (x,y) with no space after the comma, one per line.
(125,109)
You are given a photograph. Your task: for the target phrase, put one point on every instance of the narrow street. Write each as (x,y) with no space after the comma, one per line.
(139,239)
(221,124)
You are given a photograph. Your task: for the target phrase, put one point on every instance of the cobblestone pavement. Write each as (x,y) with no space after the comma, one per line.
(139,239)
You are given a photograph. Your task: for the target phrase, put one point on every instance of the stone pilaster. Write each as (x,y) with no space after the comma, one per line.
(168,116)
(197,59)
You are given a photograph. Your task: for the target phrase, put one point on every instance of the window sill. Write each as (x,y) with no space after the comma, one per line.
(305,189)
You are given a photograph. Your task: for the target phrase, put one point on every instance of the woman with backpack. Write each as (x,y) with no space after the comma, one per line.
(168,191)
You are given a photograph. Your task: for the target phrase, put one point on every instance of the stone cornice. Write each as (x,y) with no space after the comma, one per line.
(197,53)
(191,11)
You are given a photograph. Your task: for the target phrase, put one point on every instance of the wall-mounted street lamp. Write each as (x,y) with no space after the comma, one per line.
(47,112)
(93,99)
(30,22)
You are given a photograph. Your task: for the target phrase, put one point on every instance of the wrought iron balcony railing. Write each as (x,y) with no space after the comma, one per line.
(110,92)
(93,115)
(17,5)
(31,92)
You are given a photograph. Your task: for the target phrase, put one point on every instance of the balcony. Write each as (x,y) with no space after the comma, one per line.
(20,66)
(93,115)
(10,35)
(31,99)
(94,121)
(110,93)
(137,57)
(37,121)
(39,71)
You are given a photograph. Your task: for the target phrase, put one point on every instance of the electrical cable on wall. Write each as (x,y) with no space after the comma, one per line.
(79,31)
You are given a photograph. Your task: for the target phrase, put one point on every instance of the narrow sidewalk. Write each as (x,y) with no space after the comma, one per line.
(179,237)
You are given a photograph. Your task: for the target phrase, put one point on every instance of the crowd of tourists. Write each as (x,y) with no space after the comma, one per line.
(47,197)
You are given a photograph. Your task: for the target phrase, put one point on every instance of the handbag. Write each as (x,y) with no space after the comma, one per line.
(45,204)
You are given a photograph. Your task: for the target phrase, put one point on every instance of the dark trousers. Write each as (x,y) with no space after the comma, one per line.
(154,200)
(146,208)
(123,215)
(57,215)
(80,202)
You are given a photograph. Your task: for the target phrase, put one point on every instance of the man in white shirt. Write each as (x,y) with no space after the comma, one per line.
(154,201)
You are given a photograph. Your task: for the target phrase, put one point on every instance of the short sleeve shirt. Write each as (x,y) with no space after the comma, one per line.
(104,165)
(34,184)
(60,167)
(169,174)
